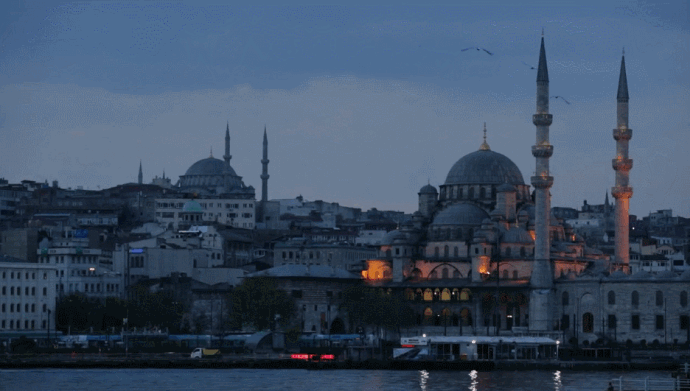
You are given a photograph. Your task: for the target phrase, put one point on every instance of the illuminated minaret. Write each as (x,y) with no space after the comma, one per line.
(541,279)
(622,165)
(264,170)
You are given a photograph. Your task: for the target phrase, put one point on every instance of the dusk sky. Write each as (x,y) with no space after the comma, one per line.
(362,104)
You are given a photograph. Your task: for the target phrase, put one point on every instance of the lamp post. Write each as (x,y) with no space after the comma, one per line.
(49,312)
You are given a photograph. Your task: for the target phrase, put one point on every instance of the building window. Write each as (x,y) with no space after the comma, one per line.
(515,275)
(684,322)
(635,322)
(612,298)
(45,291)
(635,299)
(565,299)
(565,322)
(683,299)
(612,321)
(508,251)
(659,322)
(659,298)
(587,322)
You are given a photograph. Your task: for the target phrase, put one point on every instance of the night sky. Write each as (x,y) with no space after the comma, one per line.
(363,104)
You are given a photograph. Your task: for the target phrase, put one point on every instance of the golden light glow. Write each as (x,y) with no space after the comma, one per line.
(376,270)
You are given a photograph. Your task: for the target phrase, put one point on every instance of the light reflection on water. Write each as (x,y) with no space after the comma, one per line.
(300,380)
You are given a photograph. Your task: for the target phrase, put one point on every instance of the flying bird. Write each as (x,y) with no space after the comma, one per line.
(478,49)
(530,67)
(560,97)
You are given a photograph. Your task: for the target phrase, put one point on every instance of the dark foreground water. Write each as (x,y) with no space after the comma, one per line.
(308,380)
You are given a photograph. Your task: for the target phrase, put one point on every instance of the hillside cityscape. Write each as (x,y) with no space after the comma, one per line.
(485,253)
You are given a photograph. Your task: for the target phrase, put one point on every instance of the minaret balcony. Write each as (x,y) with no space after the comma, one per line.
(542,150)
(622,134)
(542,119)
(622,164)
(542,181)
(621,192)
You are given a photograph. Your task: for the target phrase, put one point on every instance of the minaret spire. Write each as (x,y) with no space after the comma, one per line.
(141,174)
(484,146)
(622,165)
(264,170)
(227,155)
(541,279)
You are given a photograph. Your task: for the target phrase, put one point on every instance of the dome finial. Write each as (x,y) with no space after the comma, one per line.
(484,146)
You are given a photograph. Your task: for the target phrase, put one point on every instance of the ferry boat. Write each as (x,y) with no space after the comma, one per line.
(476,348)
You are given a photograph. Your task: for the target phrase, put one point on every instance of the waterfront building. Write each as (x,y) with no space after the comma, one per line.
(317,291)
(27,295)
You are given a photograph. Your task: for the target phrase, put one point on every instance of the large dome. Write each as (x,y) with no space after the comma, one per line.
(209,166)
(484,167)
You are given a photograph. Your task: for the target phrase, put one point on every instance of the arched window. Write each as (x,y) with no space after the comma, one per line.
(515,275)
(436,252)
(446,251)
(466,316)
(428,316)
(659,298)
(482,193)
(635,299)
(506,274)
(565,298)
(465,295)
(612,298)
(456,252)
(428,295)
(445,294)
(456,274)
(684,299)
(461,193)
(587,322)
(522,251)
(471,193)
(444,273)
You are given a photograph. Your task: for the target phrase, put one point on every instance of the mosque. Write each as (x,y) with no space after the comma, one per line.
(485,255)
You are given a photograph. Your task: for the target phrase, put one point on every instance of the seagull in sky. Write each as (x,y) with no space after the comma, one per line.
(560,97)
(478,48)
(530,67)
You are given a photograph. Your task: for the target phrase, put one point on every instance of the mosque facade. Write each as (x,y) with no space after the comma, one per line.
(484,254)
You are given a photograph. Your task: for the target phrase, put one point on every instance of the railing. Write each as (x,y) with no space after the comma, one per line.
(647,384)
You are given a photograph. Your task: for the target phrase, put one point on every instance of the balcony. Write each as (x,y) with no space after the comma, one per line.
(543,150)
(542,181)
(620,164)
(542,119)
(622,134)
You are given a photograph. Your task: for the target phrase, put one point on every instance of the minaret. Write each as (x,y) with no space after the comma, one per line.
(141,174)
(541,279)
(227,155)
(264,171)
(622,165)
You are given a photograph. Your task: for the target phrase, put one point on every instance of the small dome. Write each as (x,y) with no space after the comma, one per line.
(506,187)
(460,214)
(666,275)
(428,189)
(192,206)
(618,275)
(392,236)
(641,275)
(209,166)
(517,235)
(484,167)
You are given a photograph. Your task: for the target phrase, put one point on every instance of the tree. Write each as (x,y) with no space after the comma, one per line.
(258,303)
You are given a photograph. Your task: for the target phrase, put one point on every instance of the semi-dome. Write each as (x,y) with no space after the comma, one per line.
(209,166)
(484,167)
(460,214)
